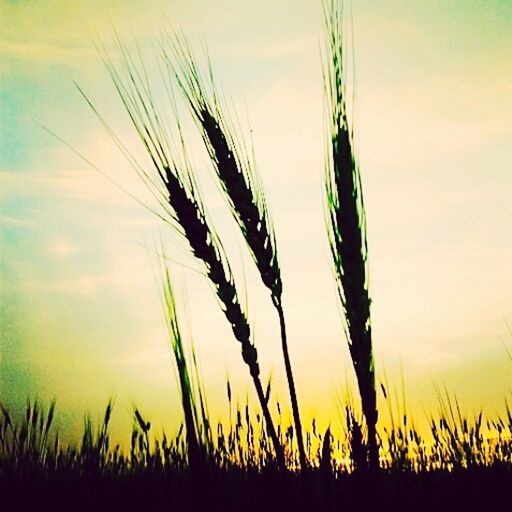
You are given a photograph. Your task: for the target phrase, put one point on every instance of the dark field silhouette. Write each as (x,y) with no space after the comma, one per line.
(460,464)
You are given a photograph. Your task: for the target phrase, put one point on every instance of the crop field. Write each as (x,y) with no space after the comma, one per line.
(265,452)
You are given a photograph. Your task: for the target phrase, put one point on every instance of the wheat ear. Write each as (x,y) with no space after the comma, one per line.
(347,226)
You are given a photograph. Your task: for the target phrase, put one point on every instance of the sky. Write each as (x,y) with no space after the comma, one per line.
(80,314)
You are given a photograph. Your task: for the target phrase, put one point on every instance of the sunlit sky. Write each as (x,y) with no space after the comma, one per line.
(80,313)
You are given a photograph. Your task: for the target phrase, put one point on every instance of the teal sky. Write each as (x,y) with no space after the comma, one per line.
(79,306)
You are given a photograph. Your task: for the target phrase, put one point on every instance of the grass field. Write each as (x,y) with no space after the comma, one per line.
(459,464)
(254,460)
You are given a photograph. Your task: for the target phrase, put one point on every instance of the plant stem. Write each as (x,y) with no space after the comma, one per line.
(373,448)
(270,424)
(291,384)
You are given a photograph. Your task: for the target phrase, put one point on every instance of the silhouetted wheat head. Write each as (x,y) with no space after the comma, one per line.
(174,186)
(347,224)
(236,173)
(234,167)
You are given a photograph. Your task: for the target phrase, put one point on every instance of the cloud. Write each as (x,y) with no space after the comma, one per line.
(272,50)
(61,248)
(12,221)
(76,184)
(151,356)
(44,52)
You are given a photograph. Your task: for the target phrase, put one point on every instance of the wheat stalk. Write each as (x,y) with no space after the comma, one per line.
(173,184)
(347,226)
(241,185)
(188,397)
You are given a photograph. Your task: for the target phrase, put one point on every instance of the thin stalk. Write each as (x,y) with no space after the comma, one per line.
(188,397)
(291,384)
(270,424)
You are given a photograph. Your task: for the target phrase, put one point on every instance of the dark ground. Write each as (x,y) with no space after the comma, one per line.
(476,489)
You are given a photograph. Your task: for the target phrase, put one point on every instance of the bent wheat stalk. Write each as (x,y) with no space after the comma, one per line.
(241,186)
(346,224)
(174,185)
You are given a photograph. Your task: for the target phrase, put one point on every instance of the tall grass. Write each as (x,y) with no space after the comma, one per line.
(196,420)
(236,173)
(26,442)
(173,183)
(30,441)
(461,463)
(346,222)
